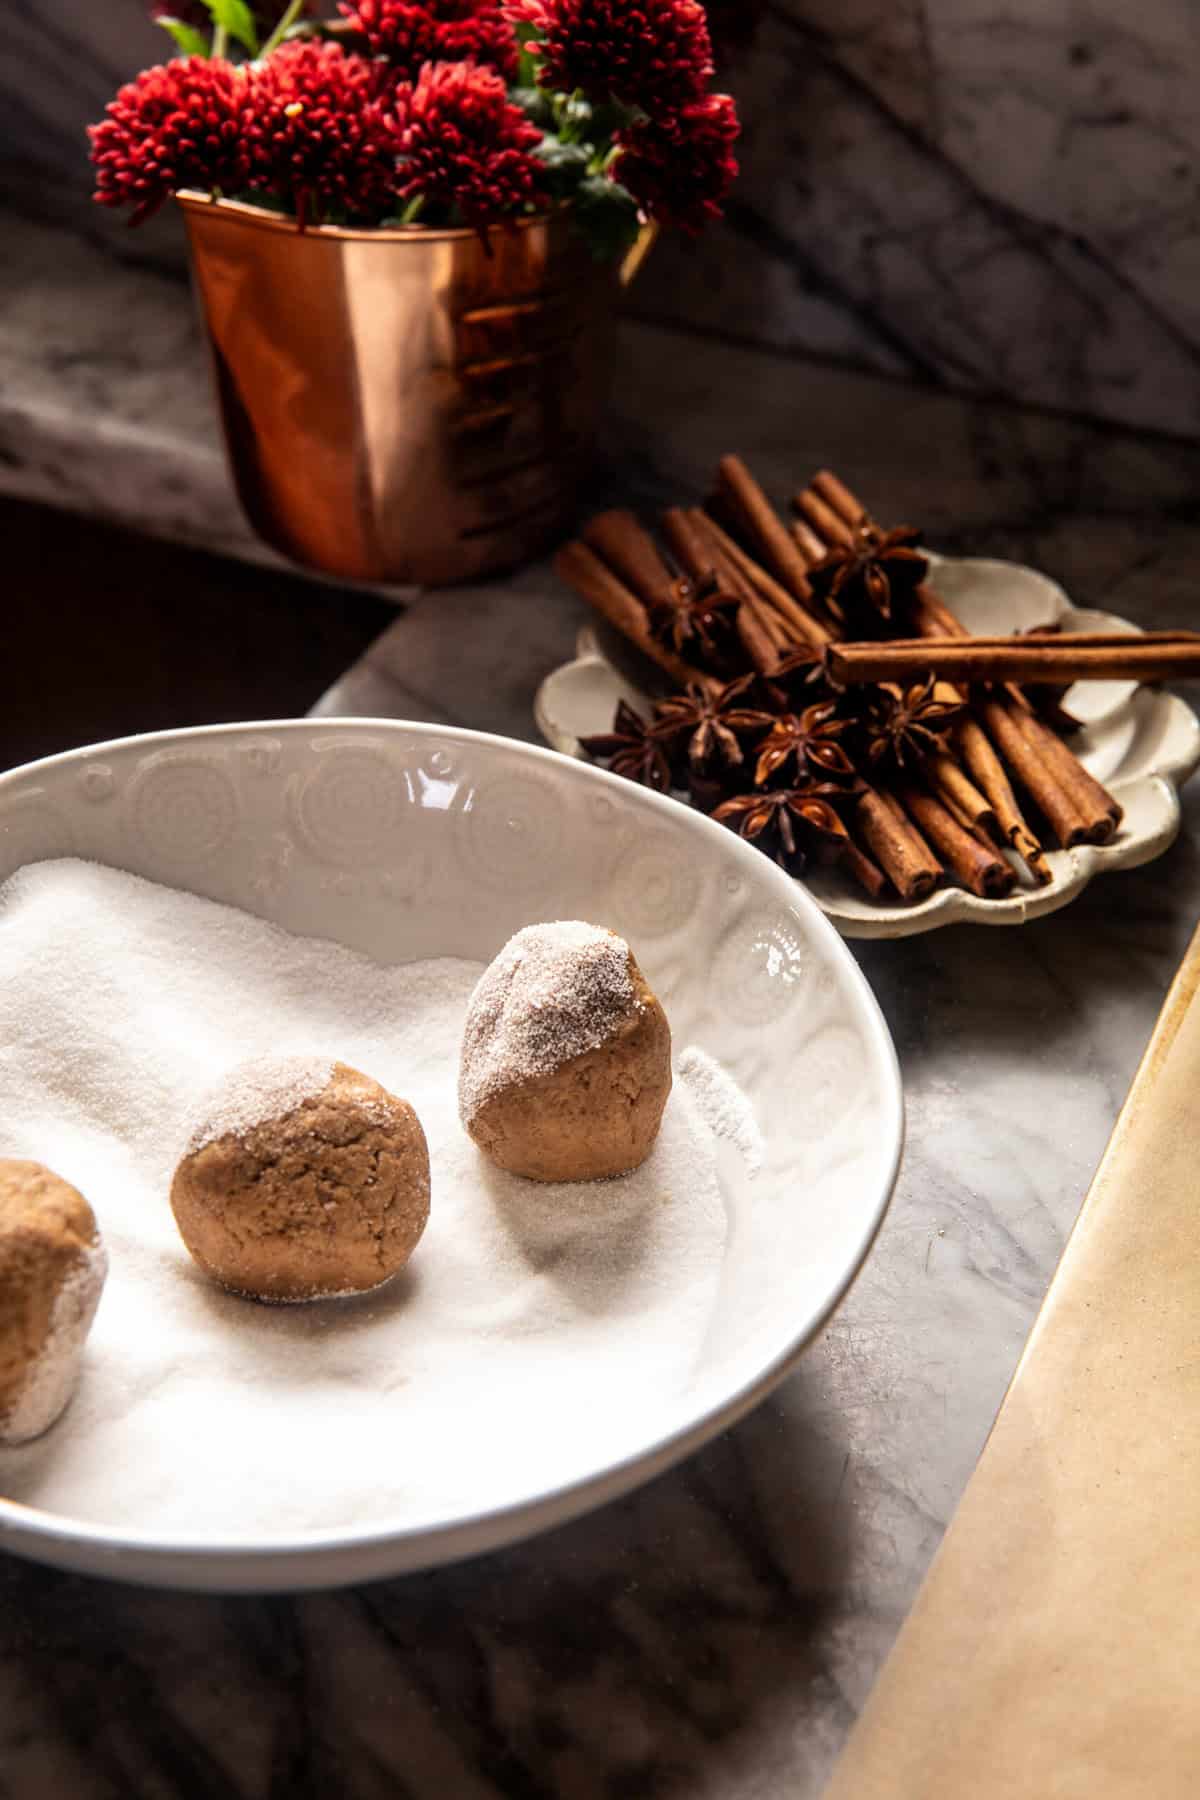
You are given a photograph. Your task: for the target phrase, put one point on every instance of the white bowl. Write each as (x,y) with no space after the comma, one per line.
(408,841)
(1142,742)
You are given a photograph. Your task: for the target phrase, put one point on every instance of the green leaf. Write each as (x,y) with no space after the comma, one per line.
(265,202)
(577,113)
(235,17)
(536,104)
(286,25)
(566,165)
(610,117)
(188,40)
(606,216)
(573,117)
(567,158)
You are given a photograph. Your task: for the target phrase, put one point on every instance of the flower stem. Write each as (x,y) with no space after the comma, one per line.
(413,210)
(220,43)
(284,26)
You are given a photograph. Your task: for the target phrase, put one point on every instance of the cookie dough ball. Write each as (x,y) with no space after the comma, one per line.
(52,1269)
(303,1180)
(566,1062)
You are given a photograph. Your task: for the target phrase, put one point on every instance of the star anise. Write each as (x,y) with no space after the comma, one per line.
(706,792)
(903,725)
(632,749)
(696,619)
(807,741)
(788,824)
(800,678)
(871,573)
(711,723)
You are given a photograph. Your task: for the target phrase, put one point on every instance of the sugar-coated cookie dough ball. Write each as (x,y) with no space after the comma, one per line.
(566,1061)
(303,1180)
(52,1269)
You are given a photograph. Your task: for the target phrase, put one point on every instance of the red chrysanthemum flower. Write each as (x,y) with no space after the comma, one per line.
(680,171)
(465,145)
(655,54)
(321,136)
(410,34)
(181,124)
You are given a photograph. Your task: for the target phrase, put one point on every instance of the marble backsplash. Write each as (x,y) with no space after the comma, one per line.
(997,195)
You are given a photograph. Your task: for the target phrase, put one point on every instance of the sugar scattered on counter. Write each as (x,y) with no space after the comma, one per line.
(536,1329)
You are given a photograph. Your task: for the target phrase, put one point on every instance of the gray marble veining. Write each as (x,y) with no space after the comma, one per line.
(102,366)
(713,1636)
(991,194)
(996,195)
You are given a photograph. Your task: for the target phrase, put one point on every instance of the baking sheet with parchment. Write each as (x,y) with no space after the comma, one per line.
(1054,1650)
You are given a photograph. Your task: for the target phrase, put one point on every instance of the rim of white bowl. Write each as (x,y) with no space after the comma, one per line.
(230,1564)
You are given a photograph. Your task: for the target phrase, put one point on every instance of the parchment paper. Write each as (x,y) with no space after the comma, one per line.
(1054,1650)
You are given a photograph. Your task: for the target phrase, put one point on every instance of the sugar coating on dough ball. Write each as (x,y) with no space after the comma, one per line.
(52,1270)
(566,1061)
(303,1180)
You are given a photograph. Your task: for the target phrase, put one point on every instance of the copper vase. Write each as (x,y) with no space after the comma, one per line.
(403,405)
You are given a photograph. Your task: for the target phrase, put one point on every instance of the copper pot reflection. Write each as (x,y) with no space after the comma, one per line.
(400,406)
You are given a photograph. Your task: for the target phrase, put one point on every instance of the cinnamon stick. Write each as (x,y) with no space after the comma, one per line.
(810,546)
(897,846)
(759,519)
(1047,702)
(795,615)
(760,637)
(979,867)
(820,515)
(1158,656)
(583,570)
(960,792)
(1093,798)
(867,873)
(756,639)
(984,766)
(1072,800)
(1070,822)
(686,543)
(933,618)
(838,497)
(630,552)
(986,769)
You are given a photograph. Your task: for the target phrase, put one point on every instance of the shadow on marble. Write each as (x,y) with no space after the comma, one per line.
(1032,989)
(642,1650)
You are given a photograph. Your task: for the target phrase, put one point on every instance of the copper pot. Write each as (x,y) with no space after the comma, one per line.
(403,406)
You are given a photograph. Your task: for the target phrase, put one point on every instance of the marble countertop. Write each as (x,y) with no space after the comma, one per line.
(714,1635)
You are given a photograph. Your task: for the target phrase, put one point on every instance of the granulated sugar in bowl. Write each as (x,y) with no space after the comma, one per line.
(547,1346)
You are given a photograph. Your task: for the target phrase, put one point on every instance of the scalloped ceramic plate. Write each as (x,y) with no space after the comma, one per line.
(408,841)
(1143,743)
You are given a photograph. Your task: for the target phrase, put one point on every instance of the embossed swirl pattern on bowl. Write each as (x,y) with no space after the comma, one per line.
(406,841)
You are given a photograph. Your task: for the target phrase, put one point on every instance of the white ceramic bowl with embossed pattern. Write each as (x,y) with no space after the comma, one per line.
(408,841)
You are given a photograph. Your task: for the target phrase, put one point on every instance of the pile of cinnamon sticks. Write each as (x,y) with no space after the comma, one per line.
(1033,660)
(957,772)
